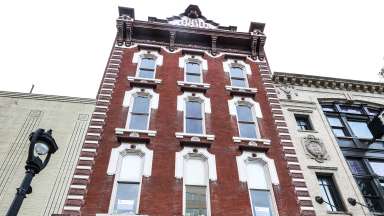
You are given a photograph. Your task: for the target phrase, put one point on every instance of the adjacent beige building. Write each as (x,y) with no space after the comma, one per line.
(327,118)
(22,113)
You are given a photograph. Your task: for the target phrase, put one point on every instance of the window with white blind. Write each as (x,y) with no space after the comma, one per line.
(246,121)
(147,67)
(127,185)
(194,116)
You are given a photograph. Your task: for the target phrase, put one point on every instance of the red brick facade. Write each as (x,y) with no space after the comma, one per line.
(161,193)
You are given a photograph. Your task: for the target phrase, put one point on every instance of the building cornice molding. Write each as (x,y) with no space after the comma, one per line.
(327,82)
(47,97)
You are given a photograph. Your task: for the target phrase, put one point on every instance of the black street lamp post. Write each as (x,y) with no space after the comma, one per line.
(41,146)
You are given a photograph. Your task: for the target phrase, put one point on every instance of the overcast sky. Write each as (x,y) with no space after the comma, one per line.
(62,46)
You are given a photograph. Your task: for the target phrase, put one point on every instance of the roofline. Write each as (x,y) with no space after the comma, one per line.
(327,82)
(45,97)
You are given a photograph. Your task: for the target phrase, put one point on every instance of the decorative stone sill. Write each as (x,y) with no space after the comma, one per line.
(120,131)
(185,86)
(251,140)
(241,91)
(182,135)
(143,82)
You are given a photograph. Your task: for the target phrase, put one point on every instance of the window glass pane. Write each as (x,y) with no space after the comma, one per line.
(145,73)
(373,111)
(338,132)
(329,193)
(195,201)
(237,72)
(302,122)
(238,82)
(193,68)
(148,63)
(193,78)
(194,126)
(138,122)
(244,113)
(126,198)
(356,166)
(193,109)
(335,121)
(378,167)
(349,109)
(366,187)
(247,130)
(261,203)
(328,108)
(140,105)
(360,129)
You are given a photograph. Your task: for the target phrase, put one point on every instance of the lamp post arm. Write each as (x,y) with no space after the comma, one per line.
(21,193)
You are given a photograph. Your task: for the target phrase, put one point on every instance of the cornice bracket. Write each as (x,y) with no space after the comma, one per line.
(214,47)
(124,30)
(172,37)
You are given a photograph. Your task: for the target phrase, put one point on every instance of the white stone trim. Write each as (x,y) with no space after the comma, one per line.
(78,186)
(242,89)
(86,158)
(186,95)
(141,79)
(192,84)
(80,176)
(207,136)
(129,95)
(236,99)
(137,55)
(76,197)
(148,132)
(198,58)
(202,152)
(246,157)
(227,64)
(84,167)
(72,208)
(240,139)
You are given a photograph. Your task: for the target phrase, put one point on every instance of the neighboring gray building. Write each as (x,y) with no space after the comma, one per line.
(22,113)
(327,119)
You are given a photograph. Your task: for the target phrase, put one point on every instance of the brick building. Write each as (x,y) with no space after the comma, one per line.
(187,122)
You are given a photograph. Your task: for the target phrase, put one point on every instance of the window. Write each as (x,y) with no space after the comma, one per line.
(365,182)
(238,76)
(195,186)
(147,68)
(377,167)
(337,126)
(194,117)
(193,72)
(360,129)
(139,112)
(128,184)
(196,200)
(329,193)
(245,121)
(303,122)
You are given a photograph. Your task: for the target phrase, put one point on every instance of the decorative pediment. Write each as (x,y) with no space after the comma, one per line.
(192,17)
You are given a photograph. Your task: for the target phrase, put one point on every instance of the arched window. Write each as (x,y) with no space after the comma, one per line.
(259,188)
(147,67)
(238,76)
(195,186)
(139,112)
(126,195)
(246,121)
(193,71)
(193,115)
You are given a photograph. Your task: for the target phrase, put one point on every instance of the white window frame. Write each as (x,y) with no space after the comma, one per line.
(254,118)
(201,101)
(142,56)
(196,61)
(270,174)
(115,164)
(207,191)
(202,153)
(242,67)
(129,118)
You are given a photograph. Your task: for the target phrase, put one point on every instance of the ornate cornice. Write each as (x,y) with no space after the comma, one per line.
(327,82)
(190,30)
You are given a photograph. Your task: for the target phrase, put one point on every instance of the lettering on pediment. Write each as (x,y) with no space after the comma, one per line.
(192,22)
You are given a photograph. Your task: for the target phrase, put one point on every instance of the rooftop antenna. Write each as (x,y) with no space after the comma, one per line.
(33,86)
